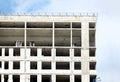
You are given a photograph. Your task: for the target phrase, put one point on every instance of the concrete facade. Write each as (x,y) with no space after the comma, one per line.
(47,49)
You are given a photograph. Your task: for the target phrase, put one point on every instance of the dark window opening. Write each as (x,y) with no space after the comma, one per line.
(62,52)
(46,51)
(46,65)
(5,78)
(0,78)
(33,65)
(92,52)
(6,51)
(92,78)
(0,64)
(62,25)
(91,38)
(77,65)
(0,51)
(91,25)
(6,66)
(78,78)
(62,78)
(16,78)
(46,78)
(33,78)
(76,25)
(92,65)
(62,65)
(77,52)
(33,51)
(16,52)
(16,65)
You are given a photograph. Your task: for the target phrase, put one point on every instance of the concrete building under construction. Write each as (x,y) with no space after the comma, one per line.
(47,48)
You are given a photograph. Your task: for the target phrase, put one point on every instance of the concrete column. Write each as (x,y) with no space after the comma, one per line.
(22,66)
(39,52)
(71,35)
(22,52)
(22,78)
(11,65)
(39,78)
(11,52)
(27,53)
(2,78)
(3,63)
(3,52)
(85,52)
(10,78)
(53,78)
(72,78)
(27,78)
(53,35)
(53,52)
(39,65)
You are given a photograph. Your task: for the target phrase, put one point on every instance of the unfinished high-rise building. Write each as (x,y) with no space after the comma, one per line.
(47,48)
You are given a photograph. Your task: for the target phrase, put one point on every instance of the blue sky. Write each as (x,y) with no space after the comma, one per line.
(108,27)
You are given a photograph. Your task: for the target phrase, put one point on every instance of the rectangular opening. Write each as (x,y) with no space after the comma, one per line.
(0,51)
(62,37)
(46,65)
(46,78)
(16,52)
(11,25)
(62,78)
(63,65)
(92,52)
(39,25)
(6,66)
(91,37)
(76,25)
(6,51)
(62,52)
(5,78)
(77,78)
(0,78)
(76,38)
(33,65)
(92,65)
(92,78)
(77,52)
(91,25)
(33,52)
(33,78)
(62,24)
(16,78)
(16,65)
(0,64)
(46,51)
(77,65)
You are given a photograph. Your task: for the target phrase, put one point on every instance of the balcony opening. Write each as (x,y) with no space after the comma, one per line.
(77,52)
(92,52)
(16,65)
(33,65)
(6,51)
(46,52)
(92,38)
(0,64)
(91,25)
(77,65)
(46,78)
(16,52)
(5,78)
(62,52)
(33,52)
(78,78)
(46,65)
(63,65)
(62,78)
(62,37)
(0,78)
(92,65)
(39,25)
(76,38)
(76,25)
(33,78)
(92,78)
(6,66)
(16,78)
(0,51)
(62,25)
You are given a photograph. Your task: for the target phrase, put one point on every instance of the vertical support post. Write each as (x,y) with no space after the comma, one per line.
(71,34)
(53,35)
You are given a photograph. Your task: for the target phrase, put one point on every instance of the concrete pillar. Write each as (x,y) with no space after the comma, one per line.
(71,78)
(3,63)
(11,65)
(3,52)
(22,66)
(85,52)
(39,52)
(11,52)
(22,52)
(53,35)
(10,78)
(22,78)
(27,78)
(39,65)
(71,35)
(39,78)
(27,53)
(2,78)
(53,53)
(53,78)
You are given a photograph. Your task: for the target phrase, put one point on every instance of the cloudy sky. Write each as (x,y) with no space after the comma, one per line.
(108,27)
